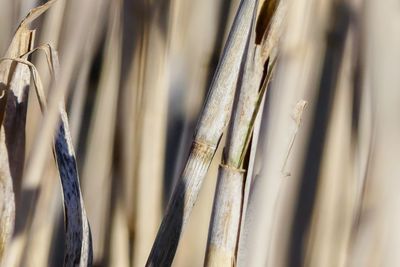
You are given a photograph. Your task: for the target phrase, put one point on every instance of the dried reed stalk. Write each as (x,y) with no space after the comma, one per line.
(151,92)
(224,227)
(47,219)
(337,193)
(78,237)
(265,241)
(90,46)
(311,171)
(14,88)
(193,60)
(49,210)
(70,41)
(98,161)
(8,21)
(375,235)
(78,243)
(49,32)
(13,107)
(71,53)
(211,124)
(119,247)
(78,240)
(78,249)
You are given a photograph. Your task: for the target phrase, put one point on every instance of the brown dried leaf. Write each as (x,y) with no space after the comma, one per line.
(14,86)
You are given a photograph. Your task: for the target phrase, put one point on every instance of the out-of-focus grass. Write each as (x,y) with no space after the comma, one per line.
(134,76)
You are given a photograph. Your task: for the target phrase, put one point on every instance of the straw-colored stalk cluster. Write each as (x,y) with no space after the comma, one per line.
(235,93)
(323,196)
(16,75)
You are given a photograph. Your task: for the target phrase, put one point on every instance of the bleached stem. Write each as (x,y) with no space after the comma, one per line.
(213,120)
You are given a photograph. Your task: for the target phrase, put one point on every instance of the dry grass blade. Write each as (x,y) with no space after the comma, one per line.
(224,225)
(45,134)
(147,116)
(272,198)
(191,60)
(14,86)
(223,237)
(78,248)
(375,235)
(77,230)
(225,219)
(118,120)
(99,155)
(79,94)
(212,122)
(78,238)
(260,63)
(37,158)
(36,12)
(20,46)
(225,222)
(12,148)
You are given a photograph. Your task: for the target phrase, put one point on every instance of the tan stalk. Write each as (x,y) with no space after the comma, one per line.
(13,107)
(37,159)
(150,92)
(79,94)
(46,219)
(14,88)
(193,58)
(225,222)
(78,244)
(224,225)
(49,33)
(79,25)
(119,242)
(7,20)
(212,122)
(375,233)
(100,143)
(338,197)
(78,247)
(38,155)
(59,37)
(271,201)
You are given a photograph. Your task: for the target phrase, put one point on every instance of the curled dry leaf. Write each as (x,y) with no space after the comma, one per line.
(78,250)
(15,75)
(78,243)
(14,87)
